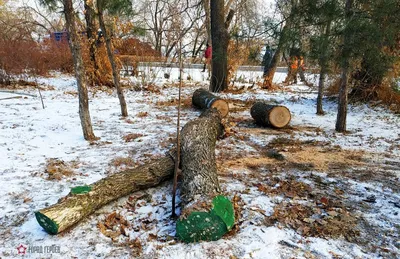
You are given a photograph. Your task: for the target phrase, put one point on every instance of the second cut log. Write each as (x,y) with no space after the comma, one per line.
(276,116)
(203,99)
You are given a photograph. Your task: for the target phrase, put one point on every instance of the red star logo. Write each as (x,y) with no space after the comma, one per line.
(21,249)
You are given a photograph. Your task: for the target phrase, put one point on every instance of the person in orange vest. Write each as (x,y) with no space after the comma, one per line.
(301,69)
(291,77)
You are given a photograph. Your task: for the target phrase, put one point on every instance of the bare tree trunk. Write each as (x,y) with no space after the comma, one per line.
(281,44)
(80,75)
(343,95)
(91,35)
(324,68)
(206,5)
(220,40)
(199,169)
(110,53)
(275,59)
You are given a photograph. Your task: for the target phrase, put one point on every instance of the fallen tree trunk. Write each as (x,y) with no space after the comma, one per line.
(204,215)
(276,116)
(199,168)
(203,99)
(84,200)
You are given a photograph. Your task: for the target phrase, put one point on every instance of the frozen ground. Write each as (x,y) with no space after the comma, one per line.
(332,196)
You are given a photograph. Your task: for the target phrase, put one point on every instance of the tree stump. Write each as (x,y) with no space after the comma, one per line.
(276,116)
(205,216)
(203,99)
(84,200)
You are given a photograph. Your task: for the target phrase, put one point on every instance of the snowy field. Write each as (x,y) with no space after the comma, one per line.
(332,195)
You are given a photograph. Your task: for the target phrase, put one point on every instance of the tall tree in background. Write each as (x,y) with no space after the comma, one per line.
(283,40)
(80,75)
(322,15)
(379,31)
(113,6)
(220,40)
(345,56)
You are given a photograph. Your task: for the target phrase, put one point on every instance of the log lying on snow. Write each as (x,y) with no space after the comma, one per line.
(205,216)
(84,200)
(203,99)
(276,116)
(209,216)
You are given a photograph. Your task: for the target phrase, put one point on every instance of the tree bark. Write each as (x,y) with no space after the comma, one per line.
(199,169)
(110,53)
(220,38)
(206,5)
(74,207)
(205,214)
(203,99)
(343,95)
(91,35)
(276,116)
(275,59)
(323,62)
(267,84)
(75,47)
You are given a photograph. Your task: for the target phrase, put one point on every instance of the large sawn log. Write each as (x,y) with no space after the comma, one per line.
(84,200)
(277,116)
(203,99)
(205,214)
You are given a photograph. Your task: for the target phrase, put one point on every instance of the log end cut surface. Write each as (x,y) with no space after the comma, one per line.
(222,106)
(46,223)
(279,116)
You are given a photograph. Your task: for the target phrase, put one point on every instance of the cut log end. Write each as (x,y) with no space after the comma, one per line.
(222,106)
(46,223)
(276,116)
(279,117)
(203,99)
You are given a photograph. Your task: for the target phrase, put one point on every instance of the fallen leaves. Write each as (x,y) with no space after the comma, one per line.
(310,220)
(113,226)
(56,169)
(131,137)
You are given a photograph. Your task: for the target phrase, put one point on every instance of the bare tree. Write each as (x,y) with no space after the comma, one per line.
(343,93)
(220,39)
(158,17)
(79,70)
(110,53)
(91,34)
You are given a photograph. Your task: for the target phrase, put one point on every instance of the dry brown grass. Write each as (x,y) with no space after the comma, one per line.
(185,102)
(132,136)
(123,161)
(142,114)
(57,169)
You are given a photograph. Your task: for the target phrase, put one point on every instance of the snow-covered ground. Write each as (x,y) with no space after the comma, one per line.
(358,172)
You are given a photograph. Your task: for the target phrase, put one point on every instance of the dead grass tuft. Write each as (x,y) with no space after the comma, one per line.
(142,114)
(185,102)
(132,136)
(122,161)
(57,169)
